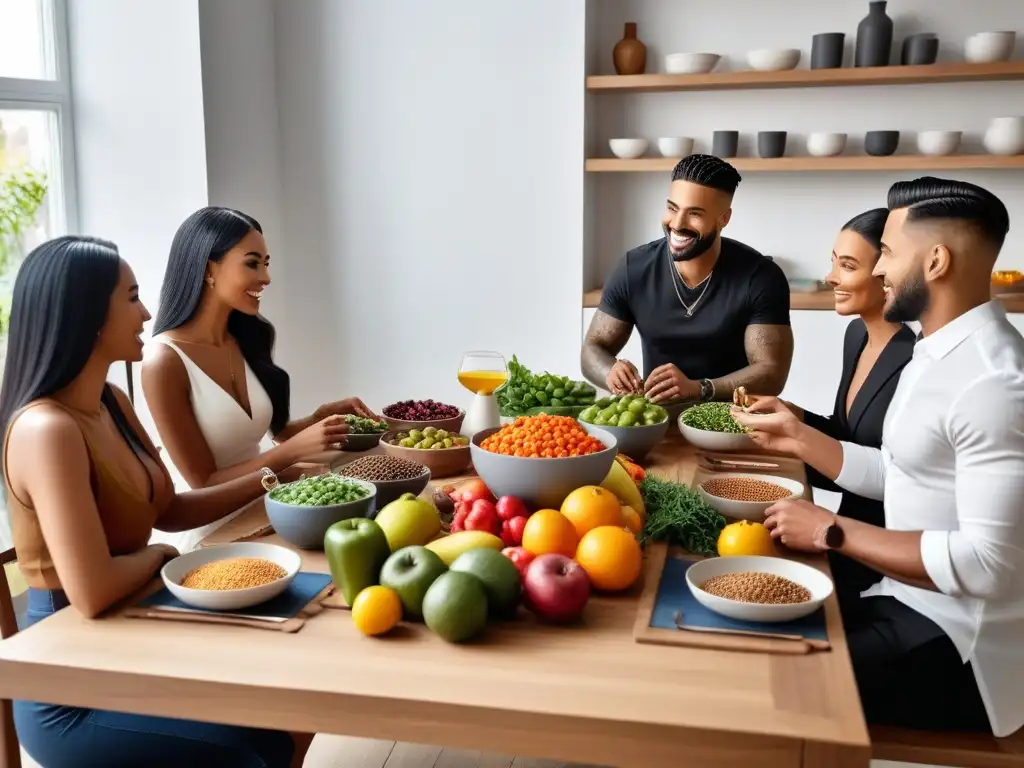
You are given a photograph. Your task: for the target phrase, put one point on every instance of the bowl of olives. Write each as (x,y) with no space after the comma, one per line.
(444,453)
(635,422)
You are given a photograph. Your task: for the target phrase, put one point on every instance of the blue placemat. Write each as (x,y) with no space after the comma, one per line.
(674,595)
(304,587)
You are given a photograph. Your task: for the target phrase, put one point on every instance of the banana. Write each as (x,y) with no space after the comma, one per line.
(450,547)
(621,484)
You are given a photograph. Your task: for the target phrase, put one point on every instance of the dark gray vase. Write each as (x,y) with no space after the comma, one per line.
(827,50)
(725,143)
(920,49)
(874,37)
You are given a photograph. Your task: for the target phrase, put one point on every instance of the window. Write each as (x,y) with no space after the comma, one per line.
(37,191)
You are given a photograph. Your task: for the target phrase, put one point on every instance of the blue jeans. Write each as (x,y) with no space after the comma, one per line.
(71,737)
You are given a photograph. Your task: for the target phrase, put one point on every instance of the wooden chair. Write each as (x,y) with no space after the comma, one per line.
(10,752)
(963,750)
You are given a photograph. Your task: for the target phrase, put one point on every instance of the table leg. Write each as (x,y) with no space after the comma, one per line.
(10,752)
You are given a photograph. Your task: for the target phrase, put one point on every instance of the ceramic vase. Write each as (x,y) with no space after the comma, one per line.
(630,55)
(874,37)
(1005,136)
(827,50)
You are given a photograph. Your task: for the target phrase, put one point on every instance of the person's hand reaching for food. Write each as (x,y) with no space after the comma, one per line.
(667,384)
(624,379)
(770,424)
(350,405)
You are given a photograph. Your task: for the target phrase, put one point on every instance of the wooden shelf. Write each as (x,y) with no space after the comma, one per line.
(956,72)
(823,300)
(819,164)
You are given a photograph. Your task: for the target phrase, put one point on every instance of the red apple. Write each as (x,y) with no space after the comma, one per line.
(556,588)
(520,558)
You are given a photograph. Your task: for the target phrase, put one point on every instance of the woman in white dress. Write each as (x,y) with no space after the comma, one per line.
(209,377)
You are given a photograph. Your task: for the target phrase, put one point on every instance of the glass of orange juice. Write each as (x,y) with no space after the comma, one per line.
(482,373)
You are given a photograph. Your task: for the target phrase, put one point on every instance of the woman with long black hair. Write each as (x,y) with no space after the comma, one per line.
(86,488)
(209,379)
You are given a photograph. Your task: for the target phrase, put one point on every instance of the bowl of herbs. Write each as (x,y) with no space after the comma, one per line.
(711,427)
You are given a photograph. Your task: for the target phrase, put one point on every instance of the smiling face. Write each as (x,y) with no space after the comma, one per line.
(902,269)
(239,278)
(121,335)
(694,216)
(856,290)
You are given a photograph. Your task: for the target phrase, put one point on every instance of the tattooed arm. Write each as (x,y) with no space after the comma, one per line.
(769,351)
(605,339)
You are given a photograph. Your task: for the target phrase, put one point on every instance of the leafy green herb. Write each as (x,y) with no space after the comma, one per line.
(674,512)
(712,417)
(528,393)
(358,425)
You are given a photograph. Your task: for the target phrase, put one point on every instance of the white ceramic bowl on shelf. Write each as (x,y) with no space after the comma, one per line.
(679,146)
(987,47)
(814,581)
(823,144)
(691,63)
(774,59)
(628,149)
(937,143)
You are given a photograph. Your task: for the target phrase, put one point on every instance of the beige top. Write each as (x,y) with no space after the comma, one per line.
(127,513)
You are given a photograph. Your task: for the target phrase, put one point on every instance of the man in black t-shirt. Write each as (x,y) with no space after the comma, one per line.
(713,313)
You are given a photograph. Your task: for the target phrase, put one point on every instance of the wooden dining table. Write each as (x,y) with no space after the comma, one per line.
(586,693)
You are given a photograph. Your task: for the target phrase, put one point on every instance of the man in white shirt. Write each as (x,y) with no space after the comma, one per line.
(939,642)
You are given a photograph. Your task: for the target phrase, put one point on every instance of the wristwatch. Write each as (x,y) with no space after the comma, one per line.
(832,536)
(707,390)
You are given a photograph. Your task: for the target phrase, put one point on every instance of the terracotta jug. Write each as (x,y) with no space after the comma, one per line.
(630,55)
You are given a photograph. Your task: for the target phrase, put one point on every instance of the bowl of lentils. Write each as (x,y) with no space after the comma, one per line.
(230,577)
(391,476)
(301,512)
(363,433)
(711,427)
(746,496)
(407,415)
(444,453)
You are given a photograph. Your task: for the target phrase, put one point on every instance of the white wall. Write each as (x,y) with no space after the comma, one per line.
(432,167)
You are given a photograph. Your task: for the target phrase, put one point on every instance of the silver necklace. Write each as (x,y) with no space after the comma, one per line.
(690,308)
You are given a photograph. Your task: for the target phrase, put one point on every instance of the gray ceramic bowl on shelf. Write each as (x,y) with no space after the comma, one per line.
(881,143)
(305,526)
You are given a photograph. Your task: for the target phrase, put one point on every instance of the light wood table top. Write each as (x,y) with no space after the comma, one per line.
(584,694)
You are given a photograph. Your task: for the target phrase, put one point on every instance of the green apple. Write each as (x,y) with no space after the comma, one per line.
(356,549)
(455,607)
(499,576)
(409,521)
(410,571)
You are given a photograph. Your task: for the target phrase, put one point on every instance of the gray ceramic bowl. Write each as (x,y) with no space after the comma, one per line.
(358,443)
(634,442)
(389,490)
(305,526)
(544,482)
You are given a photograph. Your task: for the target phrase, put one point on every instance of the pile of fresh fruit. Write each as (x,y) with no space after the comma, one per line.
(420,410)
(527,393)
(429,438)
(499,554)
(624,411)
(358,425)
(320,491)
(542,437)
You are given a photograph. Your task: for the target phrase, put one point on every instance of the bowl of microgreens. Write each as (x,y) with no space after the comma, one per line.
(363,434)
(711,427)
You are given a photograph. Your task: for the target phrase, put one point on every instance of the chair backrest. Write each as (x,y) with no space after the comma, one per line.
(10,752)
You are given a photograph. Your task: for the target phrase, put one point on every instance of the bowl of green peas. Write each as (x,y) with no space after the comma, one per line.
(711,427)
(301,512)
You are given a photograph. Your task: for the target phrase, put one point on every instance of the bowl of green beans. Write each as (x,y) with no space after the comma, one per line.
(711,427)
(301,512)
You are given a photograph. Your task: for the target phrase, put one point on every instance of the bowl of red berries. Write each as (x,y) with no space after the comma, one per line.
(407,415)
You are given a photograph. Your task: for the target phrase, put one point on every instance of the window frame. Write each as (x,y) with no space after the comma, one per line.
(53,96)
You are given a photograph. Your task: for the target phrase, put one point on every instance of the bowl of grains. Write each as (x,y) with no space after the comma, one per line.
(747,496)
(301,512)
(711,427)
(232,576)
(755,588)
(390,475)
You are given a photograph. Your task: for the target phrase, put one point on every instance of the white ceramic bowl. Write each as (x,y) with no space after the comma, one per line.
(628,149)
(935,143)
(819,585)
(774,59)
(680,146)
(690,63)
(748,510)
(231,599)
(713,441)
(985,47)
(822,144)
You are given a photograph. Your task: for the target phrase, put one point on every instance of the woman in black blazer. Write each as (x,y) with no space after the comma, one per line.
(874,354)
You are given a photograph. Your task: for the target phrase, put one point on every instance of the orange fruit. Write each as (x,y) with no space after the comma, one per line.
(376,610)
(548,531)
(632,520)
(745,538)
(591,507)
(611,557)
